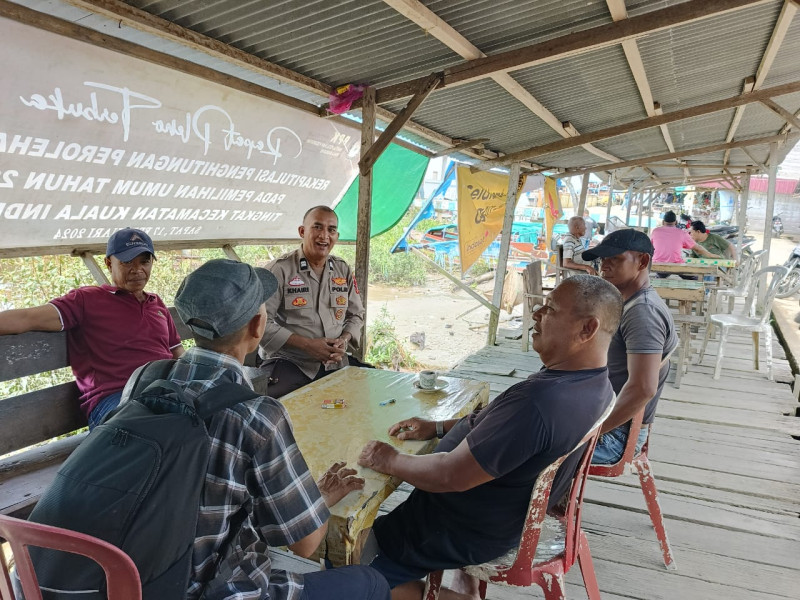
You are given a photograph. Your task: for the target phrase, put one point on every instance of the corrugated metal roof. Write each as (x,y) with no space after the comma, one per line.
(707,60)
(363,41)
(482,110)
(368,41)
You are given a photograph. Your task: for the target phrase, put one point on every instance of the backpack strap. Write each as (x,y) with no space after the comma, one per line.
(221,397)
(157,369)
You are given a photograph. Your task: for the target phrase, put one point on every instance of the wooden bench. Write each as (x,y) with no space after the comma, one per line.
(35,417)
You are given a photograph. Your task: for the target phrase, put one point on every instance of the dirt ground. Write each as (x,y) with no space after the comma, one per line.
(455,325)
(436,310)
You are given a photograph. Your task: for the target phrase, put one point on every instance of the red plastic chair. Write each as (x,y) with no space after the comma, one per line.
(646,479)
(550,544)
(122,577)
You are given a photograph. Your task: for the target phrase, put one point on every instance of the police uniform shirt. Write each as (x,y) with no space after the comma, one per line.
(312,306)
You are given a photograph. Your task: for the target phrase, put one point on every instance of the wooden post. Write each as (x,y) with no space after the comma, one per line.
(610,201)
(628,207)
(770,208)
(364,222)
(744,196)
(582,199)
(97,273)
(231,253)
(650,214)
(641,206)
(502,259)
(768,213)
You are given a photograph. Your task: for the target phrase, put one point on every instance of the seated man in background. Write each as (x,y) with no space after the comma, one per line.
(574,243)
(669,241)
(111,329)
(710,241)
(317,311)
(638,356)
(471,495)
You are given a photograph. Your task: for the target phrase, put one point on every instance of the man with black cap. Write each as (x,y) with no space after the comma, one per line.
(668,241)
(111,329)
(638,356)
(255,468)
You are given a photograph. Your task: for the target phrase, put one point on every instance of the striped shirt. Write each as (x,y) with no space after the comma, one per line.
(255,466)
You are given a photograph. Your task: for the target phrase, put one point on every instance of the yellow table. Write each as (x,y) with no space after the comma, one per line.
(325,436)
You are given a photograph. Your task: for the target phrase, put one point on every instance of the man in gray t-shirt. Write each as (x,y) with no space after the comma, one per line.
(638,354)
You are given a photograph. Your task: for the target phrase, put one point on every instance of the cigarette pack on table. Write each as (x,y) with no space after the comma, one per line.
(334,403)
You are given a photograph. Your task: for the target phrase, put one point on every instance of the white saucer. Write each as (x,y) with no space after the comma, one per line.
(440,385)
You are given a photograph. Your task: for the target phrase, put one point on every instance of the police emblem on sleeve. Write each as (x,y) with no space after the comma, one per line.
(339,314)
(296,281)
(341,300)
(299,301)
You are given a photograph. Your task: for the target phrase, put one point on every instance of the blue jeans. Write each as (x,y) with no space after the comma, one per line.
(345,583)
(611,445)
(102,408)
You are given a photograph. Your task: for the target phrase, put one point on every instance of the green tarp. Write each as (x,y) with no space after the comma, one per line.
(396,178)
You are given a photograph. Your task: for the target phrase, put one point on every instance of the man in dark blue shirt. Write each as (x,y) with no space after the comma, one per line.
(472,494)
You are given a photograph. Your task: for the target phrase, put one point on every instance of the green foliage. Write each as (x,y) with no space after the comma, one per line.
(479,267)
(385,349)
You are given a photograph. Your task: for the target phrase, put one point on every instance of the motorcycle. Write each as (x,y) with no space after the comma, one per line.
(777,226)
(791,283)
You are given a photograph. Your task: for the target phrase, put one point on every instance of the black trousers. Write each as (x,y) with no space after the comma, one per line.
(287,377)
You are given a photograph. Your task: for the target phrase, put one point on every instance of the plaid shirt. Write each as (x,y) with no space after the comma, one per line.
(255,466)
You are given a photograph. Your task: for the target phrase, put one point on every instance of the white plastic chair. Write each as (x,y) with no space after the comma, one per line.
(747,267)
(752,318)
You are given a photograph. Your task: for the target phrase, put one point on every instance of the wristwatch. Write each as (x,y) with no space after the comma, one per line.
(440,429)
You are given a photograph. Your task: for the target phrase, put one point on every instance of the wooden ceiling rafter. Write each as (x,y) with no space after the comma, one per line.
(433,25)
(760,141)
(646,123)
(634,58)
(571,44)
(755,82)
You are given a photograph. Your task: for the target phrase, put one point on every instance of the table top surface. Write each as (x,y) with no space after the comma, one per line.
(687,268)
(325,436)
(718,262)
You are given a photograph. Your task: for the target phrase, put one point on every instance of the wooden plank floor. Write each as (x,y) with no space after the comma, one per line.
(728,474)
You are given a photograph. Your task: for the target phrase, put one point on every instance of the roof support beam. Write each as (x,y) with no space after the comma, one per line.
(703,150)
(754,83)
(434,25)
(387,135)
(678,115)
(364,220)
(572,44)
(782,112)
(756,162)
(466,144)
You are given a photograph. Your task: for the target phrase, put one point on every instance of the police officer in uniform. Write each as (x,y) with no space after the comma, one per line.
(316,312)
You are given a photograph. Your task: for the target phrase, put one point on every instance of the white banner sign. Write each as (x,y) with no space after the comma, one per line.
(92,140)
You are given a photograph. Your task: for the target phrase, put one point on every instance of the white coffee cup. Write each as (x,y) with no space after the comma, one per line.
(427,380)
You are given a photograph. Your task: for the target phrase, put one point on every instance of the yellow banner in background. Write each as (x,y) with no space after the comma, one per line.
(481,205)
(552,207)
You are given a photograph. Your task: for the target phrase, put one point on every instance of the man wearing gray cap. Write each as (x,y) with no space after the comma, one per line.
(638,356)
(255,468)
(111,329)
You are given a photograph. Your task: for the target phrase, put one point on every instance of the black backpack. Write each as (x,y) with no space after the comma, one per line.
(135,482)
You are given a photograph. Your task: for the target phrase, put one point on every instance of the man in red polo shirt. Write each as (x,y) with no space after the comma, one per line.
(111,329)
